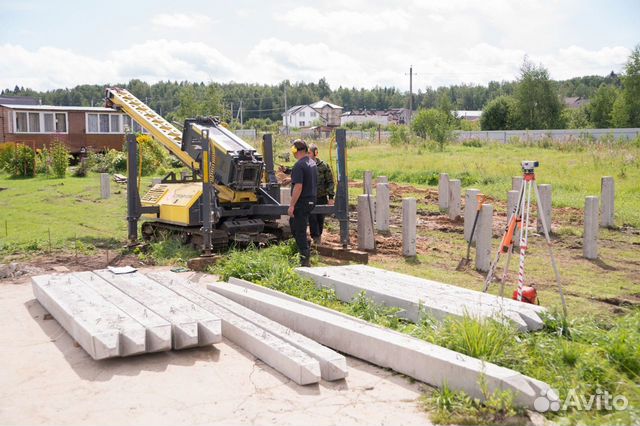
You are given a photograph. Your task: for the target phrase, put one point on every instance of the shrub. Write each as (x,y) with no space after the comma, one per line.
(59,159)
(433,123)
(17,160)
(153,156)
(43,161)
(399,135)
(499,114)
(112,161)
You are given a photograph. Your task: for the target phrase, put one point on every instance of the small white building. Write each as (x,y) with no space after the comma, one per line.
(321,112)
(360,117)
(382,117)
(300,116)
(468,115)
(329,113)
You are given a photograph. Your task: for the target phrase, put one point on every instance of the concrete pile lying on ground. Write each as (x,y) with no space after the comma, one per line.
(416,296)
(113,315)
(282,345)
(386,348)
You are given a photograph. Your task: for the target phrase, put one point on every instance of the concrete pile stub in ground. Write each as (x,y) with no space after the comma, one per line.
(455,204)
(409,230)
(366,213)
(416,296)
(484,232)
(382,207)
(191,325)
(443,192)
(367,183)
(105,185)
(516,183)
(607,202)
(259,341)
(386,348)
(103,330)
(591,224)
(545,205)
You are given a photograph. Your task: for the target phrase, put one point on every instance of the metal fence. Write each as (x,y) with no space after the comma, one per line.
(246,133)
(492,135)
(557,134)
(372,135)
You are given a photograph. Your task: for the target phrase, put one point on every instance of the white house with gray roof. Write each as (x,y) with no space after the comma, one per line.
(326,113)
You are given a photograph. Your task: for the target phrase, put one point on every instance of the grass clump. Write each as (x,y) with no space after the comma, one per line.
(273,267)
(166,252)
(457,407)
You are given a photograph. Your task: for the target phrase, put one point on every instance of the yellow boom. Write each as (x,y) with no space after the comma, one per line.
(163,131)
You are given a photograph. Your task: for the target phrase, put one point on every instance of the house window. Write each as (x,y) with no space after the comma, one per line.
(132,125)
(48,122)
(34,122)
(302,113)
(40,122)
(104,123)
(312,114)
(92,123)
(301,123)
(21,122)
(61,122)
(112,123)
(115,124)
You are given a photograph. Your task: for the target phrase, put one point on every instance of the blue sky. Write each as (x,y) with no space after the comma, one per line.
(45,44)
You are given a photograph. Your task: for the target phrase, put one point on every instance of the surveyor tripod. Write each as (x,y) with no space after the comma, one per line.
(518,220)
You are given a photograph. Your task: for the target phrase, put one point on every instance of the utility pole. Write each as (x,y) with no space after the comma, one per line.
(410,92)
(241,123)
(286,117)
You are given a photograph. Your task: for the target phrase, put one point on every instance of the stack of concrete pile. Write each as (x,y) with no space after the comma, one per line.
(113,315)
(416,358)
(417,296)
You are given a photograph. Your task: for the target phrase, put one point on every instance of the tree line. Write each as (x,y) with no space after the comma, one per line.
(532,101)
(535,102)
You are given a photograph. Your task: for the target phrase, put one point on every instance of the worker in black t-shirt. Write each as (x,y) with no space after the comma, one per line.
(304,178)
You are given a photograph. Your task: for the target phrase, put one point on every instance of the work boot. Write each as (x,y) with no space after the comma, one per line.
(305,262)
(317,240)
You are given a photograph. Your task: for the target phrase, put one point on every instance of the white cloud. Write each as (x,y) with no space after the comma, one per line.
(343,22)
(179,20)
(153,60)
(50,67)
(573,60)
(170,59)
(272,60)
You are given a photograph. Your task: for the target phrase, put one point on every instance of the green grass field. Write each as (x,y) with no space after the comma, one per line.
(65,209)
(573,174)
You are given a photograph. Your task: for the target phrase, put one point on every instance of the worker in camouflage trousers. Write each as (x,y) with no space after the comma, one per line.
(325,193)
